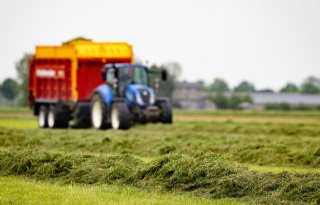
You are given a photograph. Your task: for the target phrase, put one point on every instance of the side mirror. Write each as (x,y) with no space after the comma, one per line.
(164,74)
(104,74)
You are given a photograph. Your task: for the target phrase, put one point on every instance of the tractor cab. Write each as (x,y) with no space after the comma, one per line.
(120,76)
(130,81)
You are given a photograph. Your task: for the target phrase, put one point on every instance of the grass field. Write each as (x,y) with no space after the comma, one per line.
(204,157)
(18,190)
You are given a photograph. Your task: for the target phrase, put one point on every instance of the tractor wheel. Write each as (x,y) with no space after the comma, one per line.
(166,112)
(57,118)
(43,117)
(120,116)
(99,113)
(81,116)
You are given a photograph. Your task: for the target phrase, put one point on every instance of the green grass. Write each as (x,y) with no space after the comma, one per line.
(265,145)
(19,123)
(248,113)
(19,190)
(274,169)
(15,110)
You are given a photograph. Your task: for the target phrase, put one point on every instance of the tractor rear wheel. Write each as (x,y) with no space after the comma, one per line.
(57,118)
(120,116)
(99,113)
(43,117)
(166,112)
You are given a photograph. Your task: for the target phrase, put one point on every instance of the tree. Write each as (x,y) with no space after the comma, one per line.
(167,87)
(245,86)
(10,88)
(201,83)
(220,100)
(174,69)
(277,106)
(218,85)
(290,88)
(310,88)
(236,100)
(313,80)
(22,68)
(311,85)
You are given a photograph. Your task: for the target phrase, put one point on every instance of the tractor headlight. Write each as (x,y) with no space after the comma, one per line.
(152,97)
(139,99)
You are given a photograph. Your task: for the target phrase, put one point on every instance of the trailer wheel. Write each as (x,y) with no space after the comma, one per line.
(99,113)
(166,112)
(56,118)
(43,117)
(120,116)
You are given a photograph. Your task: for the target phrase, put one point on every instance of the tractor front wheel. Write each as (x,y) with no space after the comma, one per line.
(99,113)
(166,112)
(120,116)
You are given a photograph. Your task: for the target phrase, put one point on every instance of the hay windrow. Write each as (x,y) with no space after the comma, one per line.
(276,144)
(206,175)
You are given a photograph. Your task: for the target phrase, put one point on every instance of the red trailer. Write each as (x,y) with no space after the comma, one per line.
(62,78)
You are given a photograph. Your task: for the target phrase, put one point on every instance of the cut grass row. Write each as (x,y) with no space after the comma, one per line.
(206,175)
(273,169)
(271,144)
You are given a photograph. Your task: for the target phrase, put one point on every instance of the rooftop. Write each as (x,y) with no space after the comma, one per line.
(291,98)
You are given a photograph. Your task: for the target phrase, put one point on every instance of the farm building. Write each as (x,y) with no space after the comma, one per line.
(191,96)
(261,99)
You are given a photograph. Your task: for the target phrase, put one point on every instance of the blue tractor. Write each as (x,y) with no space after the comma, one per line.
(127,98)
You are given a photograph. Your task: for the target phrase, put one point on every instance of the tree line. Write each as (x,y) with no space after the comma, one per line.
(16,89)
(238,97)
(310,85)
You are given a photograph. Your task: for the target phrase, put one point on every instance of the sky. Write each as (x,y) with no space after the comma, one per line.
(267,42)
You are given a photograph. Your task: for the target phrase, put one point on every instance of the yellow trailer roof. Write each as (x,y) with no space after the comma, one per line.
(86,49)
